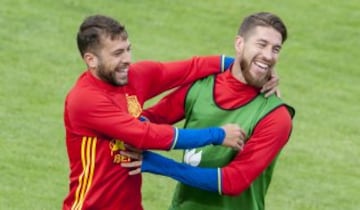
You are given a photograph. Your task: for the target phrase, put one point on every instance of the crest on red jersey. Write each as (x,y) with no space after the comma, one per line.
(133,104)
(115,147)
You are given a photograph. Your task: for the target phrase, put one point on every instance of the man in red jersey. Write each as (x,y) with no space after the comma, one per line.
(213,177)
(101,112)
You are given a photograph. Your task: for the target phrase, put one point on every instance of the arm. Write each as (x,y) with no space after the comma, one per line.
(269,137)
(102,116)
(170,109)
(203,178)
(154,78)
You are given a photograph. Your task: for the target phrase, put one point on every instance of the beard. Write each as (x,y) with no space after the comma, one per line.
(250,78)
(109,75)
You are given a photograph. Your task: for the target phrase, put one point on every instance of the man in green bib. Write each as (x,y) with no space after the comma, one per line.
(215,177)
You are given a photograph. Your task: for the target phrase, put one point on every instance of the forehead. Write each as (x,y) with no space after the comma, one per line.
(267,34)
(117,43)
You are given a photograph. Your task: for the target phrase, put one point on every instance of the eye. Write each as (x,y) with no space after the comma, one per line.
(261,44)
(276,50)
(119,52)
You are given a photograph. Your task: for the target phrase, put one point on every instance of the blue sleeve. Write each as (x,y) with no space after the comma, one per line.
(203,178)
(226,62)
(192,138)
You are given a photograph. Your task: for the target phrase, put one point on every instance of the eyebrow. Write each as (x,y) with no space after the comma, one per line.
(121,50)
(263,40)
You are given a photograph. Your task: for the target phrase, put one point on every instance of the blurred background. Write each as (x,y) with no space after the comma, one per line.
(318,67)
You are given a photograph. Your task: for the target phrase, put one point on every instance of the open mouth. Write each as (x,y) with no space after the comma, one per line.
(121,73)
(262,66)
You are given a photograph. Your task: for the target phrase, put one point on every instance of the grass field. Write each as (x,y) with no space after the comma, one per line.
(319,70)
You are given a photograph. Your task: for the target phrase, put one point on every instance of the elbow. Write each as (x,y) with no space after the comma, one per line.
(233,184)
(235,191)
(154,143)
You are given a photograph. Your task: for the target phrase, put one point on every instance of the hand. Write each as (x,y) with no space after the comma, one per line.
(271,86)
(136,157)
(234,136)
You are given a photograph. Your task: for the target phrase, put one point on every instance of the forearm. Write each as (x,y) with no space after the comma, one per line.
(203,178)
(186,71)
(193,138)
(173,74)
(170,109)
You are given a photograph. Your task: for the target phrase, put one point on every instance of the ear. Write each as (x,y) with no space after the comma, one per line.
(91,60)
(239,44)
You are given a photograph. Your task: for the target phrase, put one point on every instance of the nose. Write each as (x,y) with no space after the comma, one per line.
(127,57)
(268,54)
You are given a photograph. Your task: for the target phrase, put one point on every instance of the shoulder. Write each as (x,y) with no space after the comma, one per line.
(276,126)
(278,120)
(144,65)
(144,70)
(85,97)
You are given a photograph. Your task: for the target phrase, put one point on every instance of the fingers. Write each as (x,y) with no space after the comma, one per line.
(132,155)
(234,130)
(132,164)
(242,134)
(135,172)
(133,149)
(235,136)
(239,145)
(277,93)
(270,86)
(135,167)
(240,140)
(270,92)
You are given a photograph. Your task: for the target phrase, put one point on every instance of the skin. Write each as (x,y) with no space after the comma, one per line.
(111,62)
(256,55)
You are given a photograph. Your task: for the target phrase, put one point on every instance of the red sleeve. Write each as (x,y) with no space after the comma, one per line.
(269,137)
(153,78)
(170,109)
(98,115)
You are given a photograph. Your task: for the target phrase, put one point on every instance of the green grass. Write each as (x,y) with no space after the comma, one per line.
(318,169)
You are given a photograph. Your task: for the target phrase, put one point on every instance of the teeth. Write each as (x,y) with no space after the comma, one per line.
(262,65)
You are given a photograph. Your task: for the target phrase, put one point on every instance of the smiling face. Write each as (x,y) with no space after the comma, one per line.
(111,61)
(258,52)
(103,44)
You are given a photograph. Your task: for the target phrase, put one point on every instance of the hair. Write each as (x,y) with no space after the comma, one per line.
(263,19)
(94,29)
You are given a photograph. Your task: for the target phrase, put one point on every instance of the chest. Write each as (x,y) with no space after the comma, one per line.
(128,101)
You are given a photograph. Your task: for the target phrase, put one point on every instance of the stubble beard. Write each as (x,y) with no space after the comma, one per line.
(249,78)
(109,76)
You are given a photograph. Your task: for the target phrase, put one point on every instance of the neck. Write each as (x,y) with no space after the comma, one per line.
(93,72)
(236,72)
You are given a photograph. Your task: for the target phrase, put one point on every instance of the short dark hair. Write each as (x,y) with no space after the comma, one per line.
(94,28)
(263,19)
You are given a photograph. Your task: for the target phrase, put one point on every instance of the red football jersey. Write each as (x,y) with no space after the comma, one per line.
(100,118)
